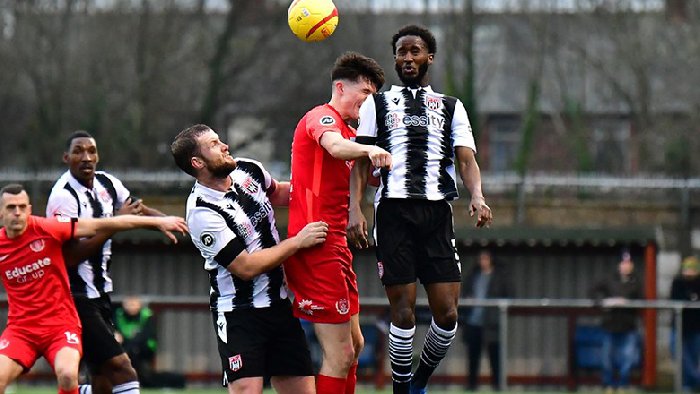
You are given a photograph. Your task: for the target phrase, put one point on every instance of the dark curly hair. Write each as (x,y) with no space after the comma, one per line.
(415,30)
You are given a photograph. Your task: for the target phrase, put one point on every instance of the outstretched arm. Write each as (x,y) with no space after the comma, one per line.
(343,149)
(87,227)
(471,177)
(79,250)
(135,206)
(76,251)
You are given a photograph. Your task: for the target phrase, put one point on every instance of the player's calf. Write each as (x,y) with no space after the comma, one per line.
(119,370)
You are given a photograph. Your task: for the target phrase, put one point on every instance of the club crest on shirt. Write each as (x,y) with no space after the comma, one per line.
(207,239)
(433,103)
(327,120)
(250,185)
(37,246)
(235,363)
(103,195)
(342,306)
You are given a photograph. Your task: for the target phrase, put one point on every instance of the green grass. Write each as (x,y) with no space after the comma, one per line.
(24,388)
(21,388)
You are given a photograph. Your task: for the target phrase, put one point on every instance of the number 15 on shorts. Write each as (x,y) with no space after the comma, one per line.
(72,338)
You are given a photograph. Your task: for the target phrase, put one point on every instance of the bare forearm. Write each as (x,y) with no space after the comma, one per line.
(344,149)
(89,227)
(247,266)
(471,177)
(148,211)
(358,182)
(77,251)
(280,197)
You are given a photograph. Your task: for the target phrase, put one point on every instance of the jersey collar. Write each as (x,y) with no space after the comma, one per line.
(77,186)
(398,88)
(212,193)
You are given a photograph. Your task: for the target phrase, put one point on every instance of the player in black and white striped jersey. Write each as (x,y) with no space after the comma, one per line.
(231,218)
(84,192)
(414,233)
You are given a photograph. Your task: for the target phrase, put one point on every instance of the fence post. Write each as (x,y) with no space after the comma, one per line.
(503,349)
(678,376)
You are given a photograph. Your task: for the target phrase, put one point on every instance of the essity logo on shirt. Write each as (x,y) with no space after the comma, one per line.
(35,270)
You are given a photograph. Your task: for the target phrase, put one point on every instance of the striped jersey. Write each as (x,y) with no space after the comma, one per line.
(224,224)
(70,199)
(420,128)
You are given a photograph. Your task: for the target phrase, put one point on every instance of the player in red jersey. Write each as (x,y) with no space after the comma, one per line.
(322,279)
(42,320)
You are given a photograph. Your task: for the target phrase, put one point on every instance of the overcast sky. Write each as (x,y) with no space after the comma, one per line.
(433,5)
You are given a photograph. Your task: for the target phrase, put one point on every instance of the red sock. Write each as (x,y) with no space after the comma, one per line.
(351,380)
(329,385)
(72,391)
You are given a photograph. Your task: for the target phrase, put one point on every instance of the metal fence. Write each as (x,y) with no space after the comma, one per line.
(203,365)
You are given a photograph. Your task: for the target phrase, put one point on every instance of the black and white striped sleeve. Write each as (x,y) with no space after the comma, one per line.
(214,237)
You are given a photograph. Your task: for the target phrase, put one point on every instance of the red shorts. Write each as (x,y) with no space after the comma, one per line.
(25,346)
(323,283)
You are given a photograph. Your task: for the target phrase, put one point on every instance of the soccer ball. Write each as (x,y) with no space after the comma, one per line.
(312,20)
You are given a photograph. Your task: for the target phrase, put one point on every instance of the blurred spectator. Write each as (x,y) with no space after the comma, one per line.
(137,335)
(481,325)
(686,287)
(136,332)
(620,348)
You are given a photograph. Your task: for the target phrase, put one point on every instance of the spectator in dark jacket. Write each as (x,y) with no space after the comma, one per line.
(486,280)
(686,287)
(620,345)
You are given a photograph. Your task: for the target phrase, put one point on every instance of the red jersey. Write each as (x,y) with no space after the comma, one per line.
(320,183)
(34,274)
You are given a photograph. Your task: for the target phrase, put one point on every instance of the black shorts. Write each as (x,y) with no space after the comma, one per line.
(99,344)
(261,342)
(416,240)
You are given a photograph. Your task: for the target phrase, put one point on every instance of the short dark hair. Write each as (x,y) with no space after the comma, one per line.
(185,147)
(415,30)
(77,134)
(12,188)
(352,66)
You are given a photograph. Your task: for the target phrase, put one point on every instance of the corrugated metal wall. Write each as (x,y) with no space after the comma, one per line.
(186,337)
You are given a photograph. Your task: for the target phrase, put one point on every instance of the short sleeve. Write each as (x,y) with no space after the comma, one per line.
(61,229)
(216,242)
(122,192)
(319,122)
(461,128)
(368,120)
(61,203)
(268,181)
